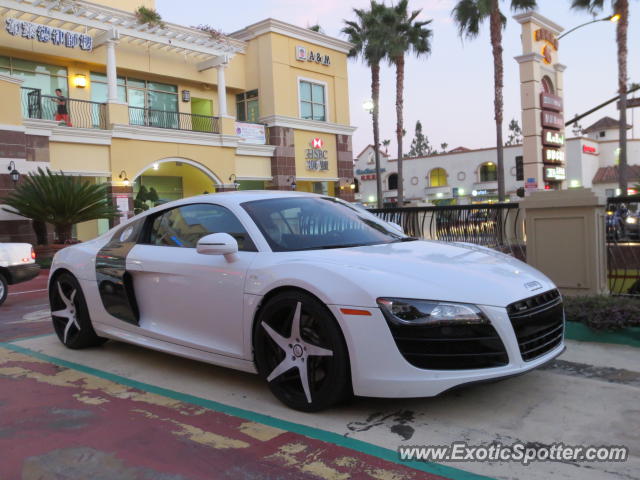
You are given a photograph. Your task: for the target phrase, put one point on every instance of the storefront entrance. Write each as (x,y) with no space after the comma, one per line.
(171,179)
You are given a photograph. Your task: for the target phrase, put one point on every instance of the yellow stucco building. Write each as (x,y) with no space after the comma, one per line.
(168,109)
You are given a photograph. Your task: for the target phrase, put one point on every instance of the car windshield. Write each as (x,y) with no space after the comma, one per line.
(310,223)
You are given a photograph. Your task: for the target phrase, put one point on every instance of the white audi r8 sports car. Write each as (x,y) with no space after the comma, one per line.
(320,298)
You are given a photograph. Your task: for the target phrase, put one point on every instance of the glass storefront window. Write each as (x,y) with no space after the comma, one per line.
(247,109)
(312,101)
(38,75)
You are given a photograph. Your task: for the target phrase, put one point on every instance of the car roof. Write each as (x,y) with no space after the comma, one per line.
(230,198)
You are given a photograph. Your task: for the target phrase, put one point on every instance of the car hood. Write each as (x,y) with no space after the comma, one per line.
(456,272)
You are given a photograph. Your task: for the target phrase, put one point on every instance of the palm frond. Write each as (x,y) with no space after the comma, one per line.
(59,199)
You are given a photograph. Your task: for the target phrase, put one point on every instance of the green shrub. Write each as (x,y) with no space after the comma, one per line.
(602,312)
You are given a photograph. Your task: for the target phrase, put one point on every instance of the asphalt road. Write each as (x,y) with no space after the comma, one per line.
(120,411)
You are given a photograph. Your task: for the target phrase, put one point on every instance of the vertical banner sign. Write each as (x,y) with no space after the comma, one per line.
(553,138)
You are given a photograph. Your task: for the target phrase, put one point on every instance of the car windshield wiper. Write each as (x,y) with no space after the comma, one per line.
(406,239)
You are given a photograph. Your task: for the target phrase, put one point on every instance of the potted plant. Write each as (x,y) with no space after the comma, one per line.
(61,200)
(148,16)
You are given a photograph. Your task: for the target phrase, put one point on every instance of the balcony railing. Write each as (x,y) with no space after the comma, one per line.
(192,122)
(80,113)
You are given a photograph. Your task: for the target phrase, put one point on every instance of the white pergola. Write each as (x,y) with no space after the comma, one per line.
(109,27)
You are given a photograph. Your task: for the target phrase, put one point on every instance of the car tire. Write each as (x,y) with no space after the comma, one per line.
(70,314)
(318,352)
(4,288)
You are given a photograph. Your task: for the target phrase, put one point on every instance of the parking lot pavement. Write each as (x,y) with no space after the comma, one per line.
(63,420)
(106,402)
(25,312)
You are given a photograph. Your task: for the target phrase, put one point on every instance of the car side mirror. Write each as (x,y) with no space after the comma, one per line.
(217,244)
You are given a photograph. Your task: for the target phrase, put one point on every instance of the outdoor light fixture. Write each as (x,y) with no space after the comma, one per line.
(368,105)
(474,193)
(80,81)
(611,18)
(124,178)
(461,191)
(232,179)
(156,165)
(186,95)
(13,172)
(292,181)
(574,183)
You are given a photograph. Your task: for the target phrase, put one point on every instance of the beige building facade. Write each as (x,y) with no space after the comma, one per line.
(166,107)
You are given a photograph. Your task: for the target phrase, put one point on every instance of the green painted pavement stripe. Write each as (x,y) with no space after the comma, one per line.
(312,432)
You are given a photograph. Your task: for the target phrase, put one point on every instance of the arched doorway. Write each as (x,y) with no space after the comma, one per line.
(171,179)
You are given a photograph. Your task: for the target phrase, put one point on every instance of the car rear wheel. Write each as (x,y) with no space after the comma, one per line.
(300,351)
(70,314)
(4,288)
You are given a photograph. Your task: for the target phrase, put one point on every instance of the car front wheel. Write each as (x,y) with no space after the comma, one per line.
(300,351)
(70,314)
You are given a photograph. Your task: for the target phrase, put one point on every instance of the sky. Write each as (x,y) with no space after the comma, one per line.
(451,90)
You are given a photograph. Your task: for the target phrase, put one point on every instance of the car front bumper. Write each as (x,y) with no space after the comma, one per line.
(22,273)
(378,368)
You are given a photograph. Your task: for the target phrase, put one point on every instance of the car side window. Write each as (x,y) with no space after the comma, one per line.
(184,226)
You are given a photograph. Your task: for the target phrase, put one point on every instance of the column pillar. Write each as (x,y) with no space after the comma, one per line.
(541,92)
(222,91)
(566,239)
(112,76)
(345,168)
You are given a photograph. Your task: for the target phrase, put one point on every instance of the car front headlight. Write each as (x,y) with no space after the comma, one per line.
(406,311)
(632,220)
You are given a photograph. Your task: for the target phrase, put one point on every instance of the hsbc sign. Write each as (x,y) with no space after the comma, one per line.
(316,156)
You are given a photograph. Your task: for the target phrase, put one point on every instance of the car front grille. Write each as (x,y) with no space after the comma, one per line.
(538,323)
(450,346)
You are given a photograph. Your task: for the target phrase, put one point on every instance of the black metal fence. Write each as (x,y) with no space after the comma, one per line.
(623,245)
(173,120)
(498,225)
(79,113)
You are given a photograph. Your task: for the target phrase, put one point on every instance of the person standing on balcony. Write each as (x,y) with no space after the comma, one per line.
(62,114)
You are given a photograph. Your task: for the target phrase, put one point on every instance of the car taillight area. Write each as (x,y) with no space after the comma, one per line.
(455,345)
(538,323)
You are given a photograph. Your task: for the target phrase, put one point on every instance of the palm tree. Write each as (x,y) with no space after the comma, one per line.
(367,35)
(406,35)
(620,7)
(61,200)
(469,14)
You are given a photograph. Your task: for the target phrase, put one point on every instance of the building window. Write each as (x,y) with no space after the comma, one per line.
(438,177)
(610,192)
(247,106)
(602,134)
(137,93)
(488,172)
(42,76)
(313,101)
(392,181)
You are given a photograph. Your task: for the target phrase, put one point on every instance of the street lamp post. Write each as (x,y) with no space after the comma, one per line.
(610,18)
(371,107)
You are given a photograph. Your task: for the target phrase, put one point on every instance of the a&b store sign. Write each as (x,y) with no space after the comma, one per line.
(46,34)
(316,156)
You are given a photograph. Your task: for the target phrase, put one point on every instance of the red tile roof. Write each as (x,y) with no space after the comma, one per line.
(610,174)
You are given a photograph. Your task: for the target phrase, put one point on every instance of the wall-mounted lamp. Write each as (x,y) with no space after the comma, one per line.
(155,165)
(13,172)
(232,179)
(124,178)
(186,95)
(292,182)
(80,80)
